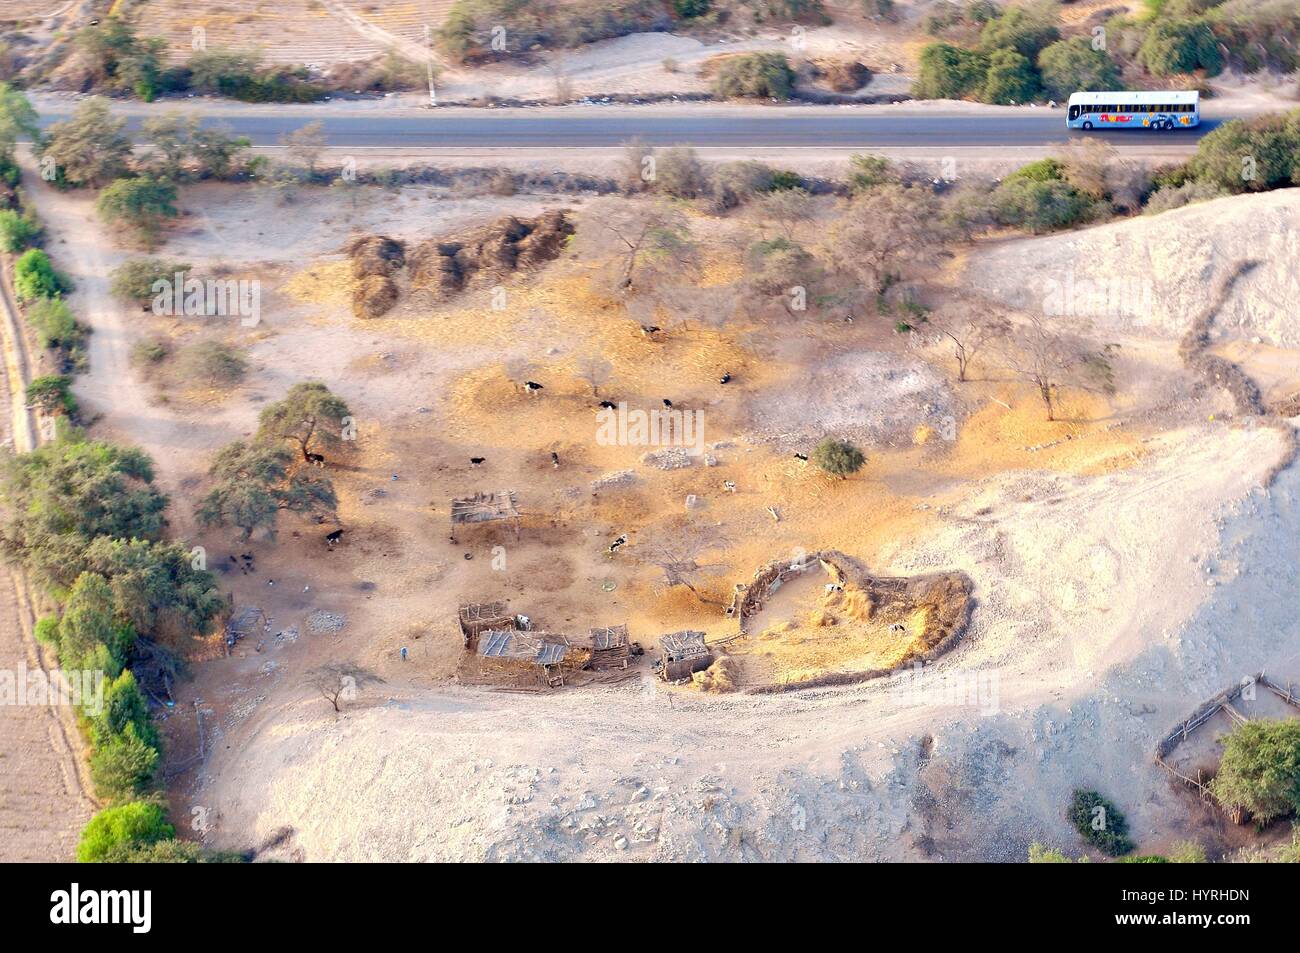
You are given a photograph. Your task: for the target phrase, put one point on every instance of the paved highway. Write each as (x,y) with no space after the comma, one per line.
(765,128)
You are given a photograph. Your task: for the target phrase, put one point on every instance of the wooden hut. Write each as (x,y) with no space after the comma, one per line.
(478,617)
(512,648)
(684,654)
(244,622)
(485,508)
(610,648)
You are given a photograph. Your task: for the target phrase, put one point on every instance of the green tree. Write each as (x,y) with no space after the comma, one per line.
(763,75)
(124,705)
(88,622)
(138,823)
(950,72)
(1171,47)
(18,231)
(156,585)
(35,277)
(1072,65)
(1260,769)
(17,119)
(1250,155)
(123,766)
(142,205)
(1010,79)
(309,412)
(90,149)
(838,457)
(1039,205)
(254,482)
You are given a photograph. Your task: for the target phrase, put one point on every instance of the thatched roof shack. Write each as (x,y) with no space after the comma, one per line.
(478,617)
(684,654)
(485,508)
(610,647)
(512,647)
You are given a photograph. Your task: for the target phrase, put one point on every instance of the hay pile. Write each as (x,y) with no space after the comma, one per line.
(507,245)
(720,677)
(375,259)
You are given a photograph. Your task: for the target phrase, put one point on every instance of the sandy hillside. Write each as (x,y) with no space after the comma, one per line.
(1149,275)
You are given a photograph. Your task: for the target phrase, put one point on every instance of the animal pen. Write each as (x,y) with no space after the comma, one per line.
(479,617)
(610,648)
(684,654)
(1220,703)
(485,508)
(245,621)
(511,651)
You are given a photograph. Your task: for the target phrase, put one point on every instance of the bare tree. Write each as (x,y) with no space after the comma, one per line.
(712,305)
(786,210)
(884,229)
(677,550)
(1097,168)
(1050,358)
(781,272)
(651,243)
(340,681)
(305,145)
(638,163)
(595,370)
(971,328)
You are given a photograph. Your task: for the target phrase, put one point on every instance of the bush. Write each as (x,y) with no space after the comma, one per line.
(1180,46)
(1040,206)
(1260,769)
(1010,79)
(212,364)
(1250,155)
(35,277)
(1072,65)
(1027,31)
(52,395)
(761,75)
(134,280)
(170,851)
(687,9)
(866,172)
(679,173)
(136,824)
(1100,823)
(240,75)
(838,457)
(466,33)
(122,766)
(56,328)
(950,72)
(18,231)
(1176,196)
(47,631)
(142,205)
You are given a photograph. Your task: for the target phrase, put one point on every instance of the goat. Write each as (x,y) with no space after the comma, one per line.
(316,460)
(618,542)
(801,456)
(476,461)
(334,537)
(725,378)
(668,403)
(555,459)
(650,330)
(608,405)
(729,486)
(532,387)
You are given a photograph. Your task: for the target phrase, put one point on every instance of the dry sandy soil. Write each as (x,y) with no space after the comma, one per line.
(1128,559)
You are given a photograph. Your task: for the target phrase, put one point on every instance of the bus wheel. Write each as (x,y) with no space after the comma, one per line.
(1087,124)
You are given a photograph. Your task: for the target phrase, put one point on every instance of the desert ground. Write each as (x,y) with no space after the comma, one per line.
(1127,560)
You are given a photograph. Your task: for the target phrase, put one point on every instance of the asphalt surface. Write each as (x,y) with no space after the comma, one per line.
(763,129)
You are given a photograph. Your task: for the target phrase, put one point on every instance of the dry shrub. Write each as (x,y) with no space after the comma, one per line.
(845,76)
(853,603)
(720,677)
(821,619)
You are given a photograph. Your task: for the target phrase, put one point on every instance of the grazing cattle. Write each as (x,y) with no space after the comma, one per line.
(725,378)
(476,461)
(555,459)
(618,542)
(608,405)
(334,537)
(668,403)
(316,460)
(532,387)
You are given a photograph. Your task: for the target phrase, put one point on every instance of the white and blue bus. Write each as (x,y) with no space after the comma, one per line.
(1171,109)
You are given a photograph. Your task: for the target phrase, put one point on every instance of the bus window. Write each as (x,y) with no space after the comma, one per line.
(1074,111)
